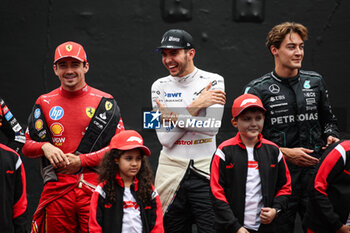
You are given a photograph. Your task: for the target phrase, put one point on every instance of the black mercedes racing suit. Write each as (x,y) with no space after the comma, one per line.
(298,114)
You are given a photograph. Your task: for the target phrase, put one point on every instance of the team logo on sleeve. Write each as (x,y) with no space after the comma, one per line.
(108,105)
(39,124)
(37,113)
(8,116)
(56,113)
(90,111)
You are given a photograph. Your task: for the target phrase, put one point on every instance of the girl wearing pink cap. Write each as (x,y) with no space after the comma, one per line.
(125,200)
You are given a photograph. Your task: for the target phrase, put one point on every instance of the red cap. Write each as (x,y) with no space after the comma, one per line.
(70,49)
(246,101)
(127,140)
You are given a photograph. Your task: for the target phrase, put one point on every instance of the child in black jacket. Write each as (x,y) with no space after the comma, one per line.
(126,200)
(250,182)
(328,210)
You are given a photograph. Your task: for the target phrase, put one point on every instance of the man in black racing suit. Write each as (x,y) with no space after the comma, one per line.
(11,129)
(299,117)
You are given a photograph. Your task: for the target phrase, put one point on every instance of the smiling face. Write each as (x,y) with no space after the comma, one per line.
(289,56)
(179,62)
(71,73)
(249,123)
(129,165)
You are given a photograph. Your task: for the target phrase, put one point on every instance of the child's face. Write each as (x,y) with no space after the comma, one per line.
(129,164)
(249,124)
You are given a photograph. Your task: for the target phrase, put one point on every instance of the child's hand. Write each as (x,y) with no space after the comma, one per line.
(267,214)
(242,230)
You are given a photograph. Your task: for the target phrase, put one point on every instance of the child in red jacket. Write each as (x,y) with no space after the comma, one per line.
(125,200)
(250,182)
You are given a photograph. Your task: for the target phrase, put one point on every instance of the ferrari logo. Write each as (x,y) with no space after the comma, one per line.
(108,105)
(90,112)
(69,47)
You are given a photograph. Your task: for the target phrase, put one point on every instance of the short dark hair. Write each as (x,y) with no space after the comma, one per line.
(278,33)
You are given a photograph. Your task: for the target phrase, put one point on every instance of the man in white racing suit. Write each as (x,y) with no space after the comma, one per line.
(191,103)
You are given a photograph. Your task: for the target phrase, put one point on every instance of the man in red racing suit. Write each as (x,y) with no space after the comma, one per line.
(68,118)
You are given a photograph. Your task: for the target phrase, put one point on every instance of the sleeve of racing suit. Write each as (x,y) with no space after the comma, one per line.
(94,158)
(31,148)
(252,90)
(19,211)
(96,213)
(332,165)
(225,220)
(167,137)
(248,87)
(11,128)
(208,116)
(327,118)
(157,225)
(283,186)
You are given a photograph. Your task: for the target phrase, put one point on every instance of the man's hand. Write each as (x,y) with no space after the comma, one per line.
(73,167)
(299,156)
(267,214)
(206,99)
(55,155)
(242,230)
(330,140)
(166,115)
(344,229)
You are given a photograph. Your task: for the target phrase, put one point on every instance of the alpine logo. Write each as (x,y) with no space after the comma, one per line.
(171,38)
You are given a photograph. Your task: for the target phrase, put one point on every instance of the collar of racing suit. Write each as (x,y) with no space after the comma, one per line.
(186,79)
(290,80)
(71,94)
(121,183)
(241,144)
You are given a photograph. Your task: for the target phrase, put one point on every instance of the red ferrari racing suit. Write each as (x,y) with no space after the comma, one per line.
(67,115)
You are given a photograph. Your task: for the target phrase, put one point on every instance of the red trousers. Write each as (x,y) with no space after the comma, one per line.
(69,213)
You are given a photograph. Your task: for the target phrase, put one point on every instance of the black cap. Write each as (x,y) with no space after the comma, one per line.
(176,39)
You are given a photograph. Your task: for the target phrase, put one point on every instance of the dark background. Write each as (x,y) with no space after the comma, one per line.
(120,36)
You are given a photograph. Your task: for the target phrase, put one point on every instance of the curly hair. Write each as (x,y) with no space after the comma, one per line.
(278,33)
(108,170)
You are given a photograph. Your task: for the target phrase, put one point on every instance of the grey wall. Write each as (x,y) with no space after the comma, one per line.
(120,36)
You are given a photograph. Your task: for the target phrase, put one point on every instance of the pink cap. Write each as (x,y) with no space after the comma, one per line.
(70,49)
(127,140)
(246,101)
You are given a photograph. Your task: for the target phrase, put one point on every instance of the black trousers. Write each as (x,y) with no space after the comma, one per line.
(192,204)
(301,179)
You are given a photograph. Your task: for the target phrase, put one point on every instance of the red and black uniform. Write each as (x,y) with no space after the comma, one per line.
(11,128)
(229,168)
(106,217)
(13,196)
(329,205)
(67,116)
